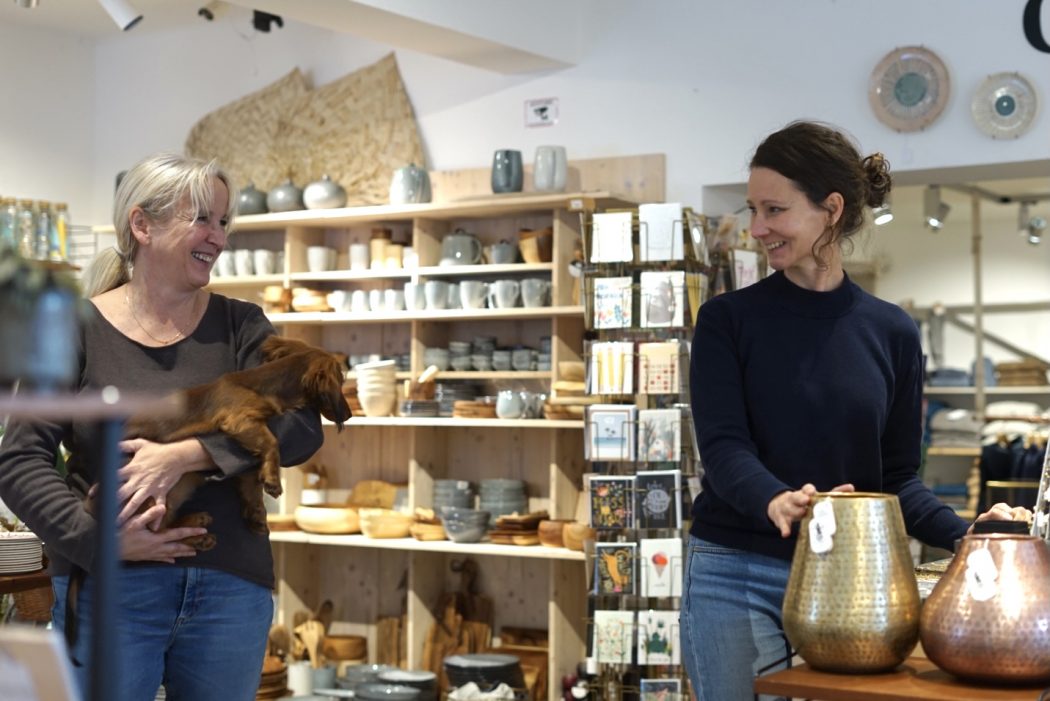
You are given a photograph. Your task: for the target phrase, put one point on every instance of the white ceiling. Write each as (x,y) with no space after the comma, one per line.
(87,18)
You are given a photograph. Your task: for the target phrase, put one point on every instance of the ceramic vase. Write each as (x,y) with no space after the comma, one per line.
(285,198)
(251,201)
(852,603)
(507,173)
(987,618)
(550,170)
(410,185)
(324,194)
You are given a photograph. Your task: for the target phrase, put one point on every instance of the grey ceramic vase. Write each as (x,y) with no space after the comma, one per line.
(410,185)
(507,172)
(324,194)
(251,201)
(285,198)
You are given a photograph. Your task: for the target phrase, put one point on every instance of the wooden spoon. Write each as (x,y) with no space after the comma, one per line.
(312,635)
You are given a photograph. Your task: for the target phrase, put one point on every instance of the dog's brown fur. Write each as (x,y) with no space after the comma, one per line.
(293,375)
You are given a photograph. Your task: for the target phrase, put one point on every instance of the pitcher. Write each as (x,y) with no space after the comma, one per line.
(460,248)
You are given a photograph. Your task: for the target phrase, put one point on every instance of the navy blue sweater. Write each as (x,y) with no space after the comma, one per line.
(791,386)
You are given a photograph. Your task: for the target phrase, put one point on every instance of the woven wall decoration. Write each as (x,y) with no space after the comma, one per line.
(241,135)
(358,130)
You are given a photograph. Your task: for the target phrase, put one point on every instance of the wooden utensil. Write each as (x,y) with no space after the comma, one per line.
(312,635)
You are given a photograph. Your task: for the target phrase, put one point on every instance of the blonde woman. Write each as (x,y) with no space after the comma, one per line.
(195,623)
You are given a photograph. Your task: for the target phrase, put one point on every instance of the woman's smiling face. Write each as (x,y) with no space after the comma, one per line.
(785,222)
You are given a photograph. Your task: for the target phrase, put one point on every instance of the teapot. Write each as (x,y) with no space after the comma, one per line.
(460,248)
(285,198)
(324,194)
(410,185)
(251,201)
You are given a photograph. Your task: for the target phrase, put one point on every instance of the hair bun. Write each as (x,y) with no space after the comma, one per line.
(877,170)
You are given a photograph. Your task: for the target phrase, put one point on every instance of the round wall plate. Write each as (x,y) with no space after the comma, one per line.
(1004,105)
(909,88)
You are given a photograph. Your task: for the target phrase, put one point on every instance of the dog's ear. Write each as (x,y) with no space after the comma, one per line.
(275,347)
(323,386)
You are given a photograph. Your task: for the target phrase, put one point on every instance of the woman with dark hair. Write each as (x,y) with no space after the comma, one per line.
(800,383)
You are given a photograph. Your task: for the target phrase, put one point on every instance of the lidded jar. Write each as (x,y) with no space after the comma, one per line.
(988,618)
(852,602)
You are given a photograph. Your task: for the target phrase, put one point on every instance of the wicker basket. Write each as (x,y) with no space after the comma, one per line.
(34,605)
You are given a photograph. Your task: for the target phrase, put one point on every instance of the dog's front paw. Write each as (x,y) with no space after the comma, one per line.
(273,488)
(200,543)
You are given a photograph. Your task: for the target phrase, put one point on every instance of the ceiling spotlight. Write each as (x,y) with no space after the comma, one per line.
(882,214)
(1036,227)
(934,210)
(262,21)
(27,3)
(122,13)
(1024,213)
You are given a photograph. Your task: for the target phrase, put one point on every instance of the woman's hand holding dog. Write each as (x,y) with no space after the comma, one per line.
(152,471)
(139,542)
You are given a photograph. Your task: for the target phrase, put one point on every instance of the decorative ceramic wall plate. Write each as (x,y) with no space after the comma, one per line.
(909,88)
(1004,105)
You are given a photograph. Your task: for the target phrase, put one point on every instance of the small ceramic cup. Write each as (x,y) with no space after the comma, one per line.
(320,258)
(243,262)
(359,256)
(264,261)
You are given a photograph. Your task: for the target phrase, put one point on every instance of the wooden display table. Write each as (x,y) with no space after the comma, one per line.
(917,679)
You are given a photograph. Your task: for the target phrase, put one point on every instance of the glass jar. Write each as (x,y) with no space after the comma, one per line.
(60,229)
(42,244)
(8,212)
(25,229)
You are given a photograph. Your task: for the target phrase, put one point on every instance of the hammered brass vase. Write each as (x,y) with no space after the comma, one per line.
(852,602)
(988,618)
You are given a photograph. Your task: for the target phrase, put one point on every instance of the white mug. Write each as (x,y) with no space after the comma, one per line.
(436,292)
(415,298)
(375,300)
(242,262)
(534,292)
(394,300)
(265,261)
(503,294)
(359,301)
(472,294)
(320,258)
(359,256)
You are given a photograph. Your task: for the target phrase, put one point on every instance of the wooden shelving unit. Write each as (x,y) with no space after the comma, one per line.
(532,586)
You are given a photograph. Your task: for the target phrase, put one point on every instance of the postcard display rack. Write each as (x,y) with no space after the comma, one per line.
(646,272)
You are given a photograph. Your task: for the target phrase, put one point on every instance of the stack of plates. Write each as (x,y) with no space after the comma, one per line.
(458,493)
(487,670)
(503,496)
(423,680)
(448,393)
(380,691)
(20,552)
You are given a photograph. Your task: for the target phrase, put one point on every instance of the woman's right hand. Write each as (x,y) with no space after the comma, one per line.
(788,507)
(138,542)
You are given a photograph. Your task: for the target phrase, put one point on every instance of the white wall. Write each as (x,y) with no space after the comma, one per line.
(699,81)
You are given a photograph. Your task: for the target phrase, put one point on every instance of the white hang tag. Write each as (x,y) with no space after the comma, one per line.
(981,575)
(822,527)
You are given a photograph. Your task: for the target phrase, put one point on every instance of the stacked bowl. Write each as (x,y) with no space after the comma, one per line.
(464,525)
(487,670)
(503,496)
(423,680)
(376,387)
(459,493)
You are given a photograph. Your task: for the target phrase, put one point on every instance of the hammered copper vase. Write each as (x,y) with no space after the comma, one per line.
(988,618)
(852,602)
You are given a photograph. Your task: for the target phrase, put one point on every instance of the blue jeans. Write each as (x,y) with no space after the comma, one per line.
(199,632)
(731,620)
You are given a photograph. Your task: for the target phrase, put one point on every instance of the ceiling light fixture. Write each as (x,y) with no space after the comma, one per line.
(882,214)
(27,3)
(934,210)
(1024,213)
(122,13)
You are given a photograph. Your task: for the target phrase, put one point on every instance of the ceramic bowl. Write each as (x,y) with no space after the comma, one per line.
(344,647)
(385,523)
(327,518)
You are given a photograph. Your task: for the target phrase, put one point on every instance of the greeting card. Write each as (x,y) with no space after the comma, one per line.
(745,267)
(616,568)
(610,432)
(659,434)
(663,689)
(611,370)
(660,565)
(660,231)
(611,237)
(611,504)
(658,499)
(612,303)
(658,367)
(662,294)
(613,636)
(658,637)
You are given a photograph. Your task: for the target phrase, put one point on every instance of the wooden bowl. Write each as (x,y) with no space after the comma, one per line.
(385,523)
(281,522)
(327,518)
(571,370)
(574,535)
(550,532)
(344,647)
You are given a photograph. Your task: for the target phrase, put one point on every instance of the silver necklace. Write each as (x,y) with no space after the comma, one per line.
(131,308)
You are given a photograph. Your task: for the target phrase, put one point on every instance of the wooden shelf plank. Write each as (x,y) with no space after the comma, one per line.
(954,451)
(989,391)
(437,546)
(436,315)
(453,422)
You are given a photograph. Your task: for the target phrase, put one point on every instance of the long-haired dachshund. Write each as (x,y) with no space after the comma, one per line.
(293,375)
